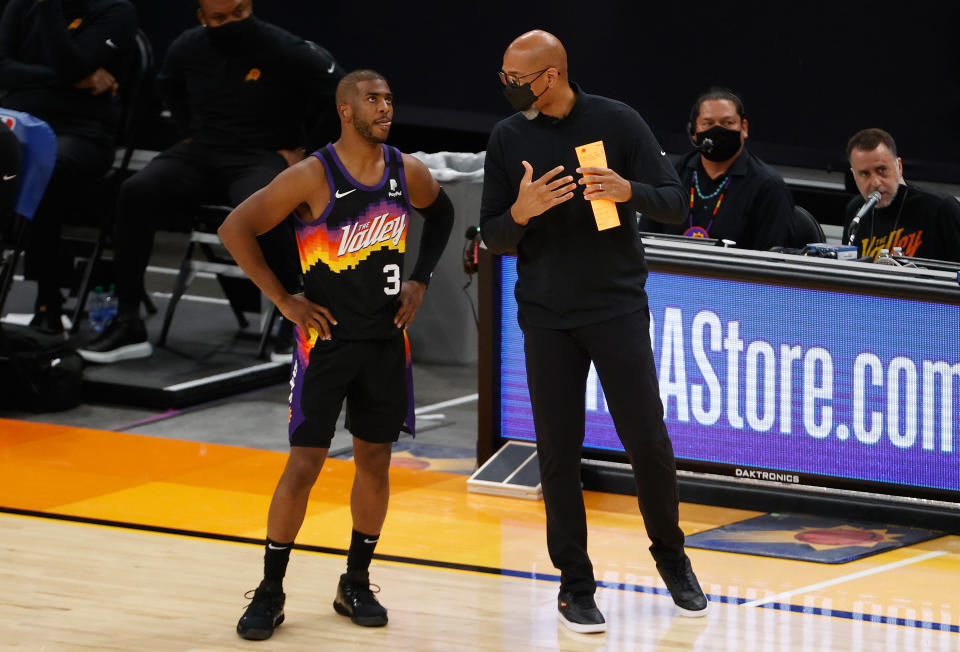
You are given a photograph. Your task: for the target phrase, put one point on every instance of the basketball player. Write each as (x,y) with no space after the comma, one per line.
(352,202)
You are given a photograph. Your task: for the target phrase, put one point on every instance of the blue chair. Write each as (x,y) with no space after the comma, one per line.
(38,147)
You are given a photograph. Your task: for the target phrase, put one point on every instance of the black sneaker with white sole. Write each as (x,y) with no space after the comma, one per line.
(123,339)
(684,587)
(355,599)
(264,613)
(580,614)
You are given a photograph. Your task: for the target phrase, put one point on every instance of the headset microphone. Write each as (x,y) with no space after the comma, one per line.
(707,145)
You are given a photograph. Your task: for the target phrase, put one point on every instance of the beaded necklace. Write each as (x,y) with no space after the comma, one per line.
(696,231)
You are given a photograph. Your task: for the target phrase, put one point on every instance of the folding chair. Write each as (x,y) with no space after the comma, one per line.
(240,291)
(132,93)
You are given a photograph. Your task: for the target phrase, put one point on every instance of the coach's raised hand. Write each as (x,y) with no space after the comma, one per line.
(536,197)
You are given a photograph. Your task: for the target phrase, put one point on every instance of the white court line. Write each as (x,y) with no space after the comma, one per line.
(454,401)
(193,297)
(224,376)
(846,578)
(170,271)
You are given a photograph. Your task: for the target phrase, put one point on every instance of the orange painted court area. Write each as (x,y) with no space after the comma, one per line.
(436,525)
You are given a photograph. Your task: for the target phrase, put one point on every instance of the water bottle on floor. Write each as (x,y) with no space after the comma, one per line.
(109,305)
(97,309)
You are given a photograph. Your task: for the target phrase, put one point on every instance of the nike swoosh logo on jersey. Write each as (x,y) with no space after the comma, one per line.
(8,177)
(111,44)
(332,66)
(339,194)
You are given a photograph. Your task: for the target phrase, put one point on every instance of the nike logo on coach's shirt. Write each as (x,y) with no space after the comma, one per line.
(8,177)
(339,194)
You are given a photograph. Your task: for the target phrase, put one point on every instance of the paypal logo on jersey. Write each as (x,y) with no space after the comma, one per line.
(394,192)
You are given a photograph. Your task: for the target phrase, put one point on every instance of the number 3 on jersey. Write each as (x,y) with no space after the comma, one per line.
(393,279)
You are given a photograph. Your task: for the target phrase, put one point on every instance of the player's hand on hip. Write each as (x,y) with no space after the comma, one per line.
(411,296)
(604,183)
(537,196)
(308,315)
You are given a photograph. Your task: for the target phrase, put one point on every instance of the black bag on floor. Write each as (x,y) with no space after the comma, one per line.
(38,372)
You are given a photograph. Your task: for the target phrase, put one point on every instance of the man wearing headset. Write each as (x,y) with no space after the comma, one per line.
(731,193)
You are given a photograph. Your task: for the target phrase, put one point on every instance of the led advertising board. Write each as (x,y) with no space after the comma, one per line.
(790,384)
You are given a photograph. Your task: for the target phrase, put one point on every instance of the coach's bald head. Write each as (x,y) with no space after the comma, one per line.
(538,49)
(539,59)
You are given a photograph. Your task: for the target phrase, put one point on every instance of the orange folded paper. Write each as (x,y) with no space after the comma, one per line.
(604,211)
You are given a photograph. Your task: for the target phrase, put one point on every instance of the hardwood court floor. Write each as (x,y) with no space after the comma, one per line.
(167,565)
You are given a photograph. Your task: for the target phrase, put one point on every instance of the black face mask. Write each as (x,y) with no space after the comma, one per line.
(724,143)
(520,97)
(235,35)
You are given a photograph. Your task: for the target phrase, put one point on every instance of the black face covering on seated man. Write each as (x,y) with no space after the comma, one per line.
(726,143)
(235,35)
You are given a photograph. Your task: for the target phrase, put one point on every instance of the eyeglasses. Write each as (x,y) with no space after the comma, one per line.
(515,80)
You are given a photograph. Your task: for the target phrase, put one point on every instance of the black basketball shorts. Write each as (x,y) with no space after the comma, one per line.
(369,374)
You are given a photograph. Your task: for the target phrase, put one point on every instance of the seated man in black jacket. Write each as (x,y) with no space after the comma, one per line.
(248,94)
(733,195)
(60,61)
(923,223)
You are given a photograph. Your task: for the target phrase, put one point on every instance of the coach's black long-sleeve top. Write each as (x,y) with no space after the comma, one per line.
(47,47)
(569,273)
(266,95)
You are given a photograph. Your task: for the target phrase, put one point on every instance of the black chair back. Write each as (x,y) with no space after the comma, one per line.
(132,100)
(806,228)
(132,94)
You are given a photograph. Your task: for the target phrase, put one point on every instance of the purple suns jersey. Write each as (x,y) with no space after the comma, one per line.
(352,262)
(352,255)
